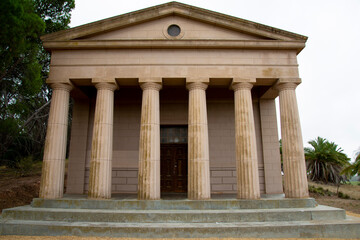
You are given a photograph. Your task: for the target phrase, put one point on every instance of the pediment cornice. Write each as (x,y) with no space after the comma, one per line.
(80,33)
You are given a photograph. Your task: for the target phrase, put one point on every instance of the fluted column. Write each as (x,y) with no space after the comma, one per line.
(102,143)
(53,168)
(149,147)
(296,185)
(198,144)
(245,140)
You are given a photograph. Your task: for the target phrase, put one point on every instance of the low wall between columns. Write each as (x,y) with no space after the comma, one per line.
(222,180)
(123,180)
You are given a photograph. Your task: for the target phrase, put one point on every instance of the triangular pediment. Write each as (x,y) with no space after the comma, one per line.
(150,23)
(158,30)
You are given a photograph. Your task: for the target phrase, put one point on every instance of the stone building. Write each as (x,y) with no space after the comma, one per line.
(174,98)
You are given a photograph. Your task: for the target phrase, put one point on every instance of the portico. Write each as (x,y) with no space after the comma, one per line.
(175,100)
(132,75)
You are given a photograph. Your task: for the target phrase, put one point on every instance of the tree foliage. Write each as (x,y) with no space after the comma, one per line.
(354,168)
(325,161)
(55,13)
(24,66)
(20,71)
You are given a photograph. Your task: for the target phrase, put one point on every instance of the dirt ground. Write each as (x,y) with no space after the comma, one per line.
(17,191)
(351,190)
(351,205)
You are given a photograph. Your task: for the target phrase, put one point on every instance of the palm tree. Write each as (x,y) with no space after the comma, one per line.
(353,168)
(325,161)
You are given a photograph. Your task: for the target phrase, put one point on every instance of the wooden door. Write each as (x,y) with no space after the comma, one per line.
(174,168)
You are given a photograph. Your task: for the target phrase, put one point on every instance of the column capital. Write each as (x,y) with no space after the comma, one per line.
(150,80)
(241,85)
(286,86)
(151,85)
(106,85)
(197,85)
(62,86)
(289,80)
(197,79)
(243,80)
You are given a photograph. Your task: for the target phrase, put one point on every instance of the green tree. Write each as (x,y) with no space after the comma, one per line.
(55,13)
(24,66)
(20,72)
(19,69)
(325,161)
(353,168)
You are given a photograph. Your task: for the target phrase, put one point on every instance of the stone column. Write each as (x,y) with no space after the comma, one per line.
(198,144)
(102,143)
(245,141)
(53,168)
(78,144)
(270,147)
(296,185)
(149,147)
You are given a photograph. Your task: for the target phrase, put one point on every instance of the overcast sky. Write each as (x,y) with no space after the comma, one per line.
(329,96)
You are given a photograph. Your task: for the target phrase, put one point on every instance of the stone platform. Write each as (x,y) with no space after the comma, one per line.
(265,218)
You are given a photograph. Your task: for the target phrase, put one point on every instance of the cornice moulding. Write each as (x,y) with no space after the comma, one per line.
(174,44)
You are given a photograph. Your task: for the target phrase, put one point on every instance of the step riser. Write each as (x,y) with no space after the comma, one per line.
(281,218)
(174,217)
(308,231)
(174,205)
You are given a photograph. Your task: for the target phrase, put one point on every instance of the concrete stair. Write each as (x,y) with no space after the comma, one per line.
(265,218)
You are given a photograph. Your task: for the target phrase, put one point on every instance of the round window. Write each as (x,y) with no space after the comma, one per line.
(174,30)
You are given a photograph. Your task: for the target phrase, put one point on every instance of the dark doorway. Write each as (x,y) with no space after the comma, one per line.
(174,168)
(173,159)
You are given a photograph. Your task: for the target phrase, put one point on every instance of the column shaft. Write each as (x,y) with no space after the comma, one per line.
(296,185)
(245,140)
(102,143)
(198,144)
(149,147)
(52,178)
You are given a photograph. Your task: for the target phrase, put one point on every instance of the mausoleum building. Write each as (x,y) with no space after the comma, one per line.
(174,98)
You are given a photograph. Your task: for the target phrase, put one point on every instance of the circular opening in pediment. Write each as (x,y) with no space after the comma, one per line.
(174,30)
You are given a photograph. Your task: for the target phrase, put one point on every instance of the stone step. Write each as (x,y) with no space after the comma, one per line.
(173,216)
(132,204)
(349,228)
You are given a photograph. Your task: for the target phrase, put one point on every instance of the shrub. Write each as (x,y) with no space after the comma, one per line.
(343,196)
(321,191)
(25,166)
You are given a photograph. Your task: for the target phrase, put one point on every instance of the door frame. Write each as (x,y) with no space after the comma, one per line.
(164,144)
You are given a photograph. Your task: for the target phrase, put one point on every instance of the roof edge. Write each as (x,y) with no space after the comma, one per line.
(175,44)
(173,8)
